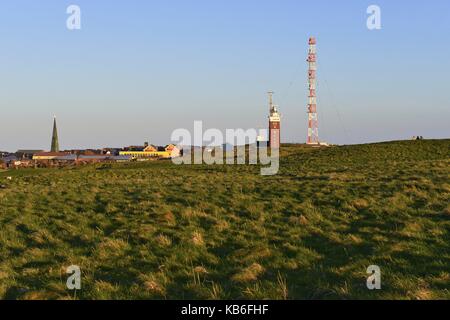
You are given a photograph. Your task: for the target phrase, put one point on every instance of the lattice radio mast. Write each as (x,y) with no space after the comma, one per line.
(313,121)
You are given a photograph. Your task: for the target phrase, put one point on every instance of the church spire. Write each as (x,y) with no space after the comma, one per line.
(55,143)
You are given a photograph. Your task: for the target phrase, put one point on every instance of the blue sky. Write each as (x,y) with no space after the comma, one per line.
(137,70)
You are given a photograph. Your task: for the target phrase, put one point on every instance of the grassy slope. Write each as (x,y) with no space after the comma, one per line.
(157,230)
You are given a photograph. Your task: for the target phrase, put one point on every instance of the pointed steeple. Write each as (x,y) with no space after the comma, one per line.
(55,143)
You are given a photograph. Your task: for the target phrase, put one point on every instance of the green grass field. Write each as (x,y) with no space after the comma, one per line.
(160,231)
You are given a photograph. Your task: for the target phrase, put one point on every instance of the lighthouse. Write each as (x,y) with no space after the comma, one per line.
(274,124)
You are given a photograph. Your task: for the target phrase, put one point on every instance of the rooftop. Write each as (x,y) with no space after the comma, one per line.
(51,154)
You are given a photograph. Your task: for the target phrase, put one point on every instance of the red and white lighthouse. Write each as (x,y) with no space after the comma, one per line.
(274,124)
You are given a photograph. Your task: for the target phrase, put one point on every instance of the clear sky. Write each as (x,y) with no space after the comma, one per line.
(137,70)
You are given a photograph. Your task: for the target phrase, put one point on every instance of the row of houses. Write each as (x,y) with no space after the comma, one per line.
(40,158)
(57,159)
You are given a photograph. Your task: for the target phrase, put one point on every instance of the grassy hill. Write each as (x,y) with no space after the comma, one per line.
(160,231)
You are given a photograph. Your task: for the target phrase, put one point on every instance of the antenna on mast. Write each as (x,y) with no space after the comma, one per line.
(270,93)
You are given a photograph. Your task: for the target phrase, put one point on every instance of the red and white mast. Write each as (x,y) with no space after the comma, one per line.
(313,122)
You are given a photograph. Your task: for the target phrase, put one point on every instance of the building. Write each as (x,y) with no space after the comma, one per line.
(62,159)
(92,157)
(173,149)
(49,155)
(274,124)
(111,151)
(150,151)
(26,154)
(4,159)
(14,163)
(67,157)
(10,158)
(103,158)
(120,158)
(85,151)
(55,143)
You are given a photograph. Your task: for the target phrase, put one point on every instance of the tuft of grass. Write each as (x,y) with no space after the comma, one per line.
(216,292)
(164,240)
(197,238)
(248,274)
(360,204)
(282,284)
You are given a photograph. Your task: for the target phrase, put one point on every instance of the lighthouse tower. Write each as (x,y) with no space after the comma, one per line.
(274,124)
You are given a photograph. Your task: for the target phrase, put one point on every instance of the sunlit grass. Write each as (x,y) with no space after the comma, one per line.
(161,231)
